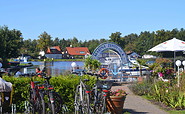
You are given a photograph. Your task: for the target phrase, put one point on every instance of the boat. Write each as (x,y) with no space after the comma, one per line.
(132,68)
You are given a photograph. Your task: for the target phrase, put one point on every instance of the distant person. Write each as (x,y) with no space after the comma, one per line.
(38,71)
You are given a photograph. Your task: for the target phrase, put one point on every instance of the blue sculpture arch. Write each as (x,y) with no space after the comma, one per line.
(110,46)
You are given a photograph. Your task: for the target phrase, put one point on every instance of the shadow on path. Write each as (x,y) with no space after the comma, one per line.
(133,111)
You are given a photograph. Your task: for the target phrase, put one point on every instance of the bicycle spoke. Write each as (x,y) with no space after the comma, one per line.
(85,103)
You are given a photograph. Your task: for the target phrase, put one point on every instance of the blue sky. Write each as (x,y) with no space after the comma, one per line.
(90,19)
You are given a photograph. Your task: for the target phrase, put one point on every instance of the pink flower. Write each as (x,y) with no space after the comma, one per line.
(118,92)
(160,74)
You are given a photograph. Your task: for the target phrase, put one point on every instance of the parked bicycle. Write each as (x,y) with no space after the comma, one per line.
(43,99)
(92,101)
(35,96)
(53,101)
(99,95)
(82,97)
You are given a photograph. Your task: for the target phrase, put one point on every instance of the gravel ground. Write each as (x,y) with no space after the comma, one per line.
(137,105)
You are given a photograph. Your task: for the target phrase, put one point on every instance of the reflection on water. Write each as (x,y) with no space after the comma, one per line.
(53,68)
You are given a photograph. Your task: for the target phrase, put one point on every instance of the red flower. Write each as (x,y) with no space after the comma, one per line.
(118,92)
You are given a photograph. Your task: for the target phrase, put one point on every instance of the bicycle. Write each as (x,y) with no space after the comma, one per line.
(99,95)
(53,101)
(42,97)
(36,102)
(82,98)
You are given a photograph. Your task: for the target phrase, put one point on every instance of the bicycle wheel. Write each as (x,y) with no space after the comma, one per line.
(100,105)
(58,103)
(49,106)
(81,101)
(32,101)
(40,104)
(77,103)
(36,103)
(85,102)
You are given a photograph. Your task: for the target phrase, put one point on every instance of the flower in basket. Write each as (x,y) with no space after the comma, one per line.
(119,92)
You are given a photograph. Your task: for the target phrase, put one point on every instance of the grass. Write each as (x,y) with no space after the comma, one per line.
(170,111)
(176,111)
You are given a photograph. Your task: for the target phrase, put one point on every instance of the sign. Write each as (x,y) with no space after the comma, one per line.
(110,46)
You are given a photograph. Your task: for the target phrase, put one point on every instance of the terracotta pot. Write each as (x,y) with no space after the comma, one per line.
(115,104)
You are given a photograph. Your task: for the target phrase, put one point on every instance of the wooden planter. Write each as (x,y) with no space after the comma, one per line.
(115,104)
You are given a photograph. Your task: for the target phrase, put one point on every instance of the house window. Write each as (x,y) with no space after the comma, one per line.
(82,52)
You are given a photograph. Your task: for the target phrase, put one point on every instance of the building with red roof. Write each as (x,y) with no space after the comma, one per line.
(76,52)
(54,52)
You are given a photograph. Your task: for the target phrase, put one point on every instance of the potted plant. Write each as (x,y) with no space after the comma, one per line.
(115,101)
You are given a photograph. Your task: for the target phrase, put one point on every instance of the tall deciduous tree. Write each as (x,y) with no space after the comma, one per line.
(11,42)
(44,41)
(144,42)
(116,38)
(29,47)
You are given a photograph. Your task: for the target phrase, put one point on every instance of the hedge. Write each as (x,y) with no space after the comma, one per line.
(64,85)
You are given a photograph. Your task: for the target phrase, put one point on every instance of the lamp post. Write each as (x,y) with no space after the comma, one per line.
(183,62)
(73,65)
(178,63)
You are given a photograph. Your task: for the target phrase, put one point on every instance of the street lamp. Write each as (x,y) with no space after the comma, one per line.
(73,65)
(178,63)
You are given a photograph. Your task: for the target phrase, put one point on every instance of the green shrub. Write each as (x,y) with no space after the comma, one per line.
(141,88)
(164,92)
(64,85)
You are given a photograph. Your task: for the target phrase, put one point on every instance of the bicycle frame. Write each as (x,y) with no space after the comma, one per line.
(48,90)
(99,94)
(82,98)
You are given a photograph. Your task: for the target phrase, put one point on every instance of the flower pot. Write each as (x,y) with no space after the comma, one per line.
(115,104)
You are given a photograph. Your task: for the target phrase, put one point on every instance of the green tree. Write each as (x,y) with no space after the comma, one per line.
(91,64)
(63,43)
(30,47)
(44,41)
(56,42)
(95,65)
(11,42)
(92,44)
(144,42)
(130,38)
(162,35)
(181,34)
(130,47)
(116,38)
(74,42)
